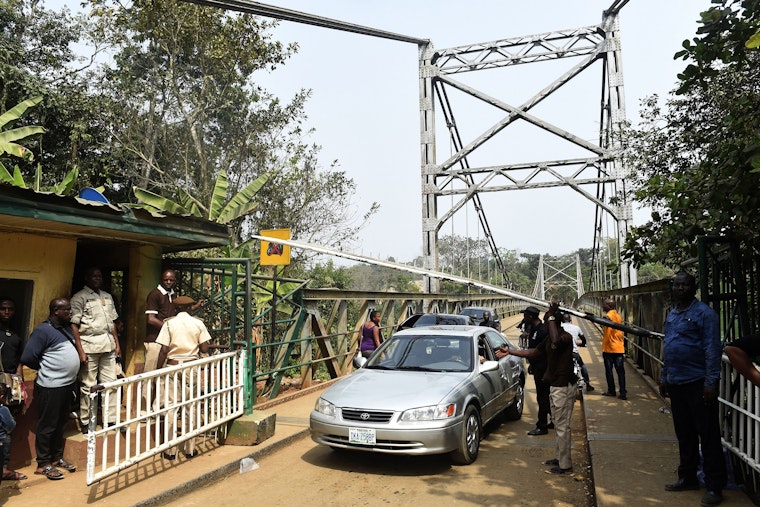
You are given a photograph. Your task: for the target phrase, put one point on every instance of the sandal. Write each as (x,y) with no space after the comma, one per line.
(50,472)
(10,475)
(61,463)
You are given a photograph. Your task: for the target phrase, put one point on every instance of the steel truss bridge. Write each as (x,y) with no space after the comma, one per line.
(591,168)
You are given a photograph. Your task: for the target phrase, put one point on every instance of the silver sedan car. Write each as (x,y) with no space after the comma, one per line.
(426,390)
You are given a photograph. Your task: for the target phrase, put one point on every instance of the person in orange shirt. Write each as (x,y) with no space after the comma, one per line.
(613,351)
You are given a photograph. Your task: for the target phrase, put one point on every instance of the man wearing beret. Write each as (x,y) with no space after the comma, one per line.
(182,338)
(535,332)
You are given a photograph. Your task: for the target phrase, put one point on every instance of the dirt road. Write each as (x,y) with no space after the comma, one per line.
(509,471)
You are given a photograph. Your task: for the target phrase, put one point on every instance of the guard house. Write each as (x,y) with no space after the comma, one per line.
(48,242)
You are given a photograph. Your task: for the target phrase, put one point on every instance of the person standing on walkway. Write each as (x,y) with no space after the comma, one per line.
(613,351)
(690,375)
(488,322)
(371,335)
(557,348)
(535,332)
(182,339)
(579,340)
(11,346)
(52,352)
(95,335)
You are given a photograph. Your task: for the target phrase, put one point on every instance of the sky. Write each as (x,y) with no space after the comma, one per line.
(365,106)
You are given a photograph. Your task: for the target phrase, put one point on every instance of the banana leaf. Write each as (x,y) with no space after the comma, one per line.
(242,203)
(158,202)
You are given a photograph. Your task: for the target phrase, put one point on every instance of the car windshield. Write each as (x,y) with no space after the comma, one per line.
(424,353)
(475,313)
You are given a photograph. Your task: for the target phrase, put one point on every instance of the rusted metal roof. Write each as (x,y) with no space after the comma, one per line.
(24,210)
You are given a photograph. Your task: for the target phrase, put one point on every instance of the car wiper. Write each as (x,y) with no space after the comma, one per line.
(380,367)
(417,368)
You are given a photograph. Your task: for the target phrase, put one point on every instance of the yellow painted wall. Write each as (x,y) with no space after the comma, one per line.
(47,262)
(144,275)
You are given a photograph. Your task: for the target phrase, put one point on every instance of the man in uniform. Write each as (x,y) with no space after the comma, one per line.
(535,332)
(97,342)
(487,322)
(182,339)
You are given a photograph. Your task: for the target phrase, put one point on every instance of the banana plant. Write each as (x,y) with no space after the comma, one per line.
(9,146)
(218,209)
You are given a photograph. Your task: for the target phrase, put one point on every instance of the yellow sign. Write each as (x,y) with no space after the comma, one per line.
(275,254)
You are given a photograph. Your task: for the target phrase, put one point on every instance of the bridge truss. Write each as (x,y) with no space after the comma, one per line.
(596,172)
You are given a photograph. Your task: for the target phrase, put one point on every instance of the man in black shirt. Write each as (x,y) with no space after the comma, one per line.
(534,332)
(557,349)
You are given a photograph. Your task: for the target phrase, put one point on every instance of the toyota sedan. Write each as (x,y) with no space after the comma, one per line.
(424,391)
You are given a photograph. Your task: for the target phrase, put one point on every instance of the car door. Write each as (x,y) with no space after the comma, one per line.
(491,383)
(509,366)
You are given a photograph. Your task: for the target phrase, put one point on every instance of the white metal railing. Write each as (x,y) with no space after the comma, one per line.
(740,404)
(208,393)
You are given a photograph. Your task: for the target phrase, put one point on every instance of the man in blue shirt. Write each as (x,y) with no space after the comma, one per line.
(690,375)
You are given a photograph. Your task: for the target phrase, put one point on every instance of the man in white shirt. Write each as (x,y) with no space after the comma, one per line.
(578,341)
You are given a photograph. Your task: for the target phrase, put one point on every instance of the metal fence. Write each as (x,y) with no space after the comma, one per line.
(162,409)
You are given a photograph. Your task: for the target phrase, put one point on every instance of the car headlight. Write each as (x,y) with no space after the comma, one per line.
(325,407)
(430,413)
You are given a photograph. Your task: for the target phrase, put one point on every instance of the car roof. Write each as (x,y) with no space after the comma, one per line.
(477,308)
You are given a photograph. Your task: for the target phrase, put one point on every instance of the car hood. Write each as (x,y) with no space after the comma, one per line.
(393,390)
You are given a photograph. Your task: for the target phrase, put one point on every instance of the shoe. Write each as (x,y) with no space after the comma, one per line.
(170,457)
(552,462)
(682,485)
(608,394)
(589,388)
(623,397)
(50,472)
(711,498)
(538,431)
(550,426)
(69,467)
(559,471)
(122,429)
(85,429)
(190,455)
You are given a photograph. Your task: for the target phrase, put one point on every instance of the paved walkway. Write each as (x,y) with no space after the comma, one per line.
(633,452)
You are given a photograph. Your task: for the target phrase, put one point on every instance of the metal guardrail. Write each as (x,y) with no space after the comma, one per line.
(207,393)
(740,428)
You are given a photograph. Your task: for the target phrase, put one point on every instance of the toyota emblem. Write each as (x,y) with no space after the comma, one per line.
(364,416)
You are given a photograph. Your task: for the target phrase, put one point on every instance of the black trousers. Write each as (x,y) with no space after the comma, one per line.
(696,423)
(542,397)
(53,408)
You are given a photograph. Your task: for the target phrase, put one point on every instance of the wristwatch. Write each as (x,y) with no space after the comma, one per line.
(551,317)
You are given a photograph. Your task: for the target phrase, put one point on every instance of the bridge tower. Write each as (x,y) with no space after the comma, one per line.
(557,272)
(596,172)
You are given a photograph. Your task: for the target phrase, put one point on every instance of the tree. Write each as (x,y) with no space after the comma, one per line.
(696,163)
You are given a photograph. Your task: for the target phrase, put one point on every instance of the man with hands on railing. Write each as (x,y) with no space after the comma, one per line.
(182,338)
(558,350)
(691,356)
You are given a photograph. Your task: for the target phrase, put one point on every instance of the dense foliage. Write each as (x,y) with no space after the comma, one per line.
(696,162)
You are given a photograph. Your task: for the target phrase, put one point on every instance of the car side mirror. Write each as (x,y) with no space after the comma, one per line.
(486,366)
(359,361)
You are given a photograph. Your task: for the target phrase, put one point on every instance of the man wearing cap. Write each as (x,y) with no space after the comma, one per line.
(182,339)
(534,332)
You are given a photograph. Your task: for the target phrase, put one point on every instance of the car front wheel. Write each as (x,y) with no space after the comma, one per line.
(469,440)
(515,410)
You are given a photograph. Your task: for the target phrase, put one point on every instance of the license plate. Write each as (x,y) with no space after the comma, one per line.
(362,436)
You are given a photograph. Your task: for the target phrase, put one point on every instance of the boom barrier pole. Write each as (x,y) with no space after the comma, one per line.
(639,331)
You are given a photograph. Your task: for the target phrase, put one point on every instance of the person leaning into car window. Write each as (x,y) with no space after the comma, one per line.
(558,350)
(371,335)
